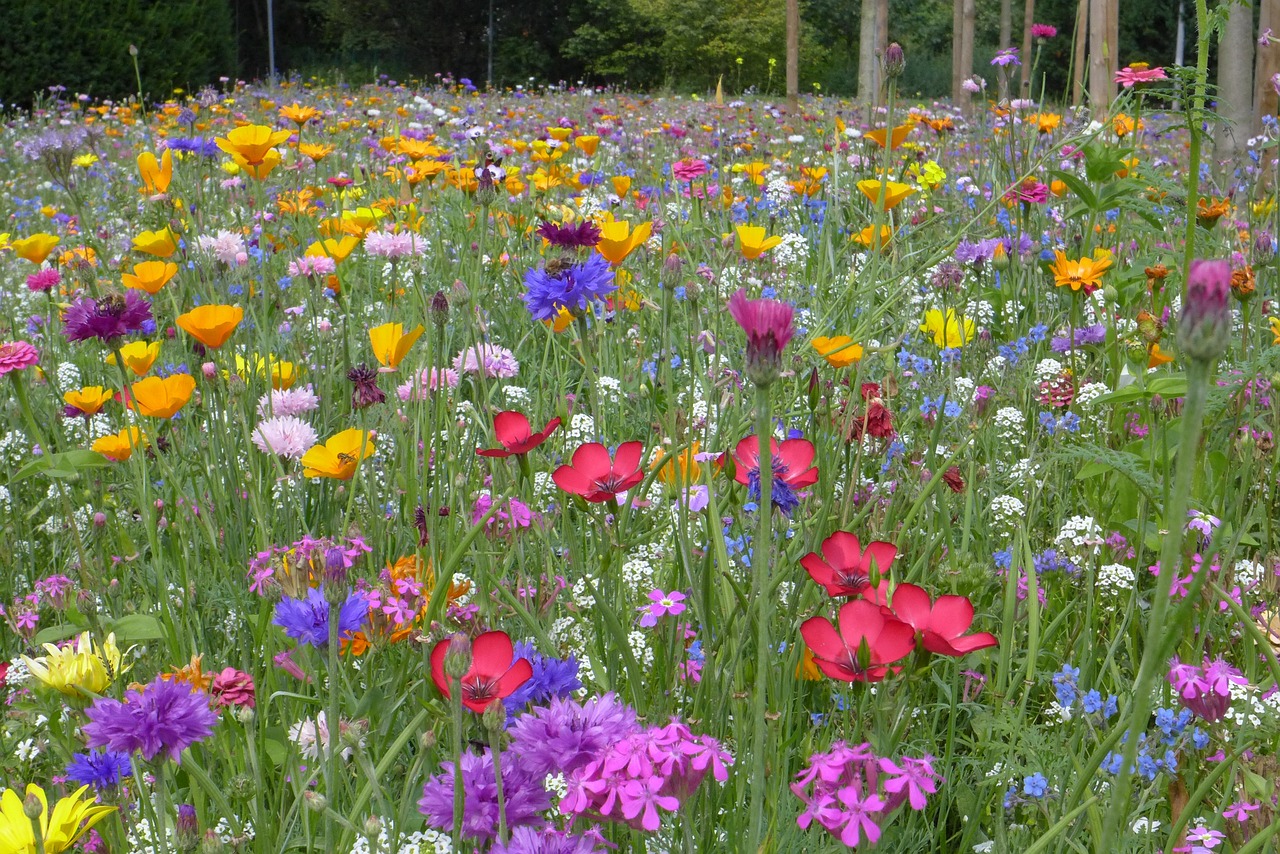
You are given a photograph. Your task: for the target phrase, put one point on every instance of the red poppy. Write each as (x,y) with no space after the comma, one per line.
(791,470)
(846,571)
(595,477)
(515,435)
(940,625)
(493,674)
(867,642)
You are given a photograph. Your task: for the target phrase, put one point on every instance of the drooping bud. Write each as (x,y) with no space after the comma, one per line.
(494,716)
(1205,325)
(768,326)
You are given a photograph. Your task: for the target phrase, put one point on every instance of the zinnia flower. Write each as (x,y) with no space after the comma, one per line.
(107,318)
(17,356)
(1139,72)
(164,717)
(72,817)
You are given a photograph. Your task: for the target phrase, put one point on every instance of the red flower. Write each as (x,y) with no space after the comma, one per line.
(867,642)
(493,674)
(515,435)
(232,688)
(597,478)
(940,625)
(791,470)
(847,568)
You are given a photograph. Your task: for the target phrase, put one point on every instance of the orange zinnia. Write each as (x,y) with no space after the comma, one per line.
(155,397)
(211,325)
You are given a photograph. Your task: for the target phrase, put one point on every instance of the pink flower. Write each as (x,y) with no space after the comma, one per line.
(232,687)
(17,356)
(1043,31)
(226,246)
(393,245)
(1204,329)
(768,326)
(286,436)
(45,280)
(1139,73)
(431,379)
(315,266)
(293,401)
(497,361)
(661,604)
(688,169)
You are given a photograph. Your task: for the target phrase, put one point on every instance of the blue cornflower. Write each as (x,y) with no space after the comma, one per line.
(783,496)
(307,620)
(572,288)
(1035,786)
(552,677)
(101,770)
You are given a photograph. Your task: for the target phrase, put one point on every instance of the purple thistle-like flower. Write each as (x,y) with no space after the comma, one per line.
(164,717)
(565,735)
(572,288)
(1204,329)
(523,793)
(99,769)
(107,318)
(768,326)
(307,620)
(548,840)
(582,234)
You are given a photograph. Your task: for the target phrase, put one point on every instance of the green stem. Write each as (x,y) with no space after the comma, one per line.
(760,564)
(332,719)
(455,700)
(1203,33)
(1161,635)
(495,749)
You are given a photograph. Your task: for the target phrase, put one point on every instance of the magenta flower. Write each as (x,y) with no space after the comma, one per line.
(660,605)
(1204,328)
(910,781)
(1239,811)
(688,169)
(17,356)
(1139,73)
(858,821)
(45,280)
(164,717)
(1205,690)
(107,318)
(1043,31)
(1007,57)
(768,326)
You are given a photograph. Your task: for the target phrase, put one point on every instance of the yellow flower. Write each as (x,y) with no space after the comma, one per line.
(89,399)
(84,161)
(161,244)
(35,248)
(391,344)
(1083,273)
(299,114)
(338,250)
(339,455)
(251,144)
(621,185)
(840,351)
(753,243)
(1157,357)
(587,144)
(315,151)
(156,175)
(948,331)
(680,471)
(81,665)
(1275,330)
(283,374)
(865,237)
(617,240)
(211,325)
(894,192)
(158,397)
(150,276)
(259,171)
(119,446)
(138,356)
(72,817)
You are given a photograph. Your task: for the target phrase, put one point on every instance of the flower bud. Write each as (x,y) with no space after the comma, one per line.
(212,843)
(315,801)
(440,308)
(187,827)
(895,61)
(1205,325)
(494,717)
(32,808)
(457,658)
(372,826)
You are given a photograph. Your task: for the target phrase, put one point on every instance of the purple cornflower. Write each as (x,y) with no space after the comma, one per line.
(572,288)
(1204,328)
(767,324)
(1006,57)
(164,717)
(102,769)
(1085,335)
(307,620)
(565,735)
(527,840)
(660,604)
(523,793)
(1043,31)
(107,318)
(583,234)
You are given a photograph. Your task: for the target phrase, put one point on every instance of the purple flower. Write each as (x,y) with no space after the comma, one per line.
(1204,329)
(523,793)
(1043,31)
(164,717)
(1085,335)
(571,288)
(1008,56)
(565,735)
(909,781)
(527,840)
(552,678)
(102,769)
(582,234)
(768,326)
(858,820)
(1239,811)
(107,318)
(307,620)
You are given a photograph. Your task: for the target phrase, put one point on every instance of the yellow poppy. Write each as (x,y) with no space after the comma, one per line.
(299,114)
(1275,330)
(211,325)
(949,330)
(618,240)
(315,151)
(157,397)
(252,143)
(337,249)
(391,344)
(35,248)
(283,374)
(138,356)
(839,351)
(119,446)
(753,243)
(89,399)
(259,171)
(1083,273)
(161,244)
(156,175)
(150,276)
(339,455)
(894,192)
(72,817)
(621,185)
(681,470)
(865,236)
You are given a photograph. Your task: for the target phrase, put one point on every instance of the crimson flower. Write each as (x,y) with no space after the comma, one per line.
(867,642)
(846,570)
(768,326)
(791,470)
(515,435)
(941,625)
(597,478)
(495,671)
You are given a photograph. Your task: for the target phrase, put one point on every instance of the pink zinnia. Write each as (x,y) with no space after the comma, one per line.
(688,169)
(768,326)
(431,379)
(1043,31)
(232,687)
(17,356)
(285,436)
(45,280)
(1138,73)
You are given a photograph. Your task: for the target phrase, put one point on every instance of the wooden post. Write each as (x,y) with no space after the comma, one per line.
(793,56)
(867,53)
(957,71)
(1268,64)
(1101,85)
(1235,87)
(1078,55)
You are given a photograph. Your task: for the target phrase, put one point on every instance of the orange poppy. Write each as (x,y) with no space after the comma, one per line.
(211,325)
(157,397)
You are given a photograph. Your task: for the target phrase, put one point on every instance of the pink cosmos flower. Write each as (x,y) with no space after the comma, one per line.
(17,356)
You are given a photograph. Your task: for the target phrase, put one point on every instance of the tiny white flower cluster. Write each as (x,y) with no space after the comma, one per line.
(1079,535)
(1026,473)
(610,389)
(516,395)
(1056,713)
(980,312)
(1115,577)
(639,643)
(582,428)
(1048,369)
(556,785)
(1096,416)
(68,375)
(6,500)
(1247,573)
(1010,425)
(582,595)
(1007,512)
(418,842)
(15,449)
(792,252)
(1247,707)
(963,390)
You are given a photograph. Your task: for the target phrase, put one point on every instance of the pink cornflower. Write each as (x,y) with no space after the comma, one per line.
(1139,72)
(393,245)
(660,605)
(768,326)
(314,266)
(285,435)
(431,379)
(17,356)
(293,401)
(228,247)
(497,361)
(1043,31)
(45,280)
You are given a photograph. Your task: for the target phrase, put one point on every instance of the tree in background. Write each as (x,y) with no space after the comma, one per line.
(1235,85)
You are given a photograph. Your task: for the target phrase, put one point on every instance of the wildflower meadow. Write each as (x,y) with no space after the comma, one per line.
(408,467)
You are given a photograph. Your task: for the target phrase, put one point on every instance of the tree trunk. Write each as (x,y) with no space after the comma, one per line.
(1078,55)
(1028,16)
(1235,86)
(1264,94)
(957,71)
(867,53)
(793,56)
(1101,57)
(1006,24)
(882,42)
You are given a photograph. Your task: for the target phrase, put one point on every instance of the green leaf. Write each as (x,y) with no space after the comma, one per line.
(60,632)
(62,465)
(1080,188)
(136,627)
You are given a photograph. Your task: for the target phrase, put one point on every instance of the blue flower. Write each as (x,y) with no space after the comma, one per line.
(572,288)
(307,620)
(1035,786)
(552,677)
(101,770)
(1064,685)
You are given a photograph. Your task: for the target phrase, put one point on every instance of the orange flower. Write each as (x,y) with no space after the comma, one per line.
(621,185)
(391,344)
(211,325)
(157,397)
(617,240)
(193,674)
(156,175)
(899,136)
(119,446)
(250,145)
(753,243)
(840,351)
(89,399)
(338,457)
(161,244)
(299,114)
(138,356)
(338,249)
(681,470)
(1208,212)
(1158,357)
(894,192)
(865,237)
(587,144)
(150,276)
(315,151)
(1082,274)
(35,248)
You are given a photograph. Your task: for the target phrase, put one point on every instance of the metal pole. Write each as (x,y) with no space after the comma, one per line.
(271,43)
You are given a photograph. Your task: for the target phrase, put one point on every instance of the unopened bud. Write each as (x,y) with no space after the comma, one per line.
(440,308)
(372,826)
(133,50)
(427,741)
(315,801)
(457,658)
(212,843)
(32,807)
(1205,325)
(495,716)
(895,61)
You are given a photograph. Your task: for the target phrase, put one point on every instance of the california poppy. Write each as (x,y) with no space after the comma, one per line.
(161,243)
(252,147)
(515,434)
(879,135)
(947,330)
(494,673)
(337,249)
(894,192)
(844,568)
(618,240)
(753,243)
(681,471)
(150,276)
(156,175)
(138,356)
(840,351)
(119,446)
(87,401)
(867,642)
(298,114)
(162,397)
(597,478)
(391,343)
(36,247)
(340,454)
(211,325)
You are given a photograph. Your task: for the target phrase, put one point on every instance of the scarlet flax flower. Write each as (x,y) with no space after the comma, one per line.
(790,461)
(596,477)
(862,648)
(514,432)
(844,568)
(939,626)
(495,672)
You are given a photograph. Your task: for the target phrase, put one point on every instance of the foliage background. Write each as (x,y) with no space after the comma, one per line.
(683,45)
